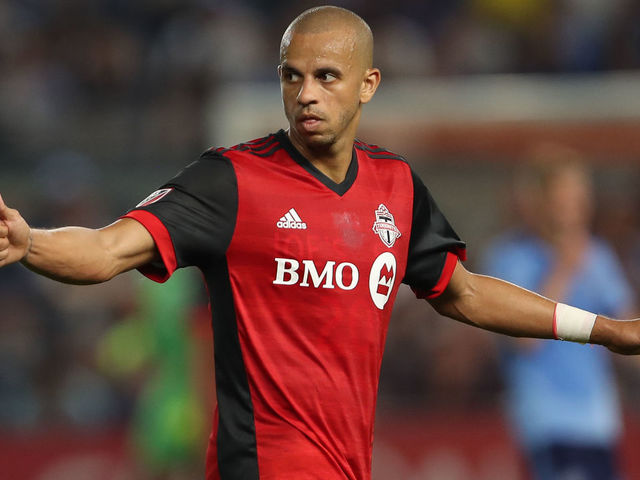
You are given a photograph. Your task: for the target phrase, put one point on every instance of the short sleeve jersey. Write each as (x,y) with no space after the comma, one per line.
(302,274)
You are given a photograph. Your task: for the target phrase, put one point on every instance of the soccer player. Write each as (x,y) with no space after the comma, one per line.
(303,238)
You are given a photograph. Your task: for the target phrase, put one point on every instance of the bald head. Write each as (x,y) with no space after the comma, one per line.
(333,19)
(326,76)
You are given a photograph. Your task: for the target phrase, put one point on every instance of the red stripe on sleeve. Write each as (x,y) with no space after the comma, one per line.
(164,245)
(461,253)
(447,271)
(450,263)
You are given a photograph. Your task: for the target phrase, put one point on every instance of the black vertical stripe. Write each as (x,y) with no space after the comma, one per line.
(237,452)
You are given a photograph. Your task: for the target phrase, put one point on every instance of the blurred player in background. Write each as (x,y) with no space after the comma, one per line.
(159,350)
(303,237)
(562,397)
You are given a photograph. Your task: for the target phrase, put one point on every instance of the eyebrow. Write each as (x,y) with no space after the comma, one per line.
(289,69)
(320,70)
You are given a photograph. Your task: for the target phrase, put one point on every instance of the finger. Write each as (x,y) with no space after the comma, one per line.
(4,230)
(4,243)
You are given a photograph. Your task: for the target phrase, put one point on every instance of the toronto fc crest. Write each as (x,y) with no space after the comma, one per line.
(385,226)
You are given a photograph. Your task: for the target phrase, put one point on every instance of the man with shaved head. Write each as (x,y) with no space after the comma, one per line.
(335,46)
(303,238)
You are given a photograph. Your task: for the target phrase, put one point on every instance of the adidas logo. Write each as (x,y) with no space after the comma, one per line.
(291,219)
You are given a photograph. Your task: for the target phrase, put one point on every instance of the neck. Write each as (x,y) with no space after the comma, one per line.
(332,160)
(562,235)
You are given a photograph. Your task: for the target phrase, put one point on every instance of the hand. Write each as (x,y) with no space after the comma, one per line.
(619,336)
(629,339)
(15,235)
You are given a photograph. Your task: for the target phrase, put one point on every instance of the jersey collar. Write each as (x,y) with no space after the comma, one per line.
(339,188)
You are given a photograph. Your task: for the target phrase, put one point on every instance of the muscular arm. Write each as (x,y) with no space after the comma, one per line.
(74,254)
(499,306)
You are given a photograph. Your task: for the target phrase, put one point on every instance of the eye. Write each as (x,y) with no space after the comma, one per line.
(290,76)
(327,77)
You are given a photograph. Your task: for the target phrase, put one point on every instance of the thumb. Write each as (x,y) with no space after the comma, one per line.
(4,210)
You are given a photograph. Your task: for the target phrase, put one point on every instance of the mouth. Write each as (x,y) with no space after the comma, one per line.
(309,122)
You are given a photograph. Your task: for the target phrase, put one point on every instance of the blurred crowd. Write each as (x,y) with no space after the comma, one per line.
(132,77)
(101,100)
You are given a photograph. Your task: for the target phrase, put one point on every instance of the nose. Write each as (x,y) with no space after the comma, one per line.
(307,94)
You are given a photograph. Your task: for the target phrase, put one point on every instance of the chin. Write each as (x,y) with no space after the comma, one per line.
(316,140)
(320,143)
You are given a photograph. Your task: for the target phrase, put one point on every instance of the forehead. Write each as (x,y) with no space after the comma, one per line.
(337,48)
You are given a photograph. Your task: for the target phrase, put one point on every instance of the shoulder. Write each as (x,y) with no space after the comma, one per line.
(514,238)
(514,246)
(601,247)
(259,147)
(602,252)
(377,152)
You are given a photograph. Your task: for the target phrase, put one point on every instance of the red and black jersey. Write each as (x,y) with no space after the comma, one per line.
(302,274)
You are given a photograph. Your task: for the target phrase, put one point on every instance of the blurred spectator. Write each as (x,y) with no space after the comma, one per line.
(562,397)
(156,353)
(25,328)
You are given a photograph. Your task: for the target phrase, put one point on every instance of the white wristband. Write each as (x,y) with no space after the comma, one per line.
(572,324)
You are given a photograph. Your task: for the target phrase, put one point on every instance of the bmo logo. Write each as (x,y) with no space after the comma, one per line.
(382,278)
(343,275)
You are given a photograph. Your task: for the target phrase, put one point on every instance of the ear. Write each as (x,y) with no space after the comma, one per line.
(370,84)
(280,71)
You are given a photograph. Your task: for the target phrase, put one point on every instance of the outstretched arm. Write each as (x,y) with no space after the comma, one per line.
(74,254)
(499,306)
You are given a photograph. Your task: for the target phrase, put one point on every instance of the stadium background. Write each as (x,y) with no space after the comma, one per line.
(102,100)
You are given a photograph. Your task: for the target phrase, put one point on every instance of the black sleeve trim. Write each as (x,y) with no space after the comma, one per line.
(432,238)
(200,211)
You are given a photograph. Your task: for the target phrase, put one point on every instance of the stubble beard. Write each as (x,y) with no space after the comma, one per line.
(323,143)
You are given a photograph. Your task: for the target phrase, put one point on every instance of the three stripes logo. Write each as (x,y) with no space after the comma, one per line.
(291,219)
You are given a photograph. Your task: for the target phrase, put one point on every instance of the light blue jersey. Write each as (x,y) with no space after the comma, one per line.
(561,391)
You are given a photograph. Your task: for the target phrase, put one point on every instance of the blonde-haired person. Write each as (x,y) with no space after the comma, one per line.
(561,397)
